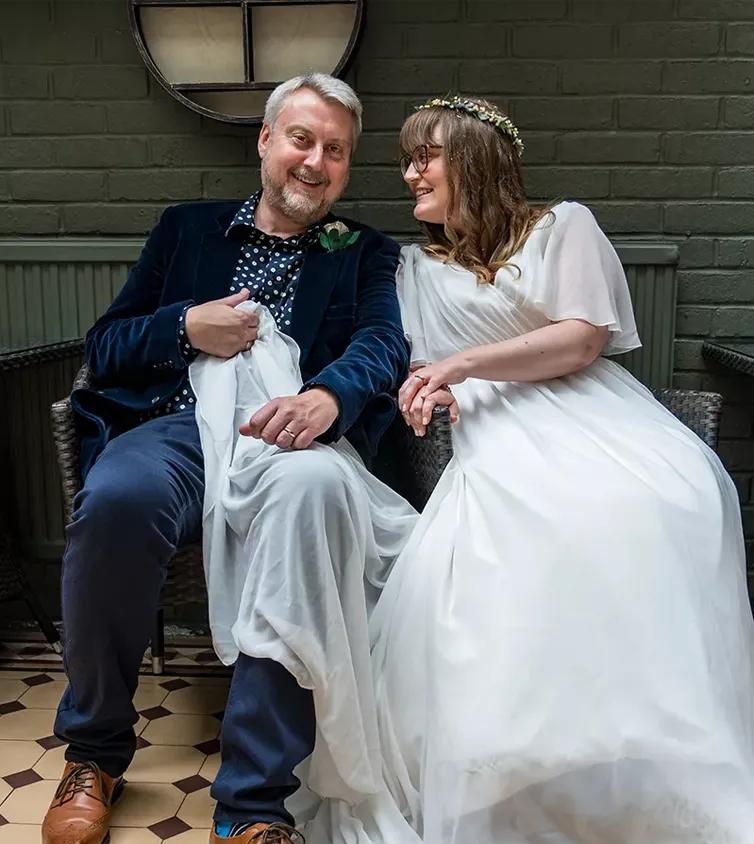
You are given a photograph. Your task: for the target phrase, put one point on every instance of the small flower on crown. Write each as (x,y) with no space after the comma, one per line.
(478,110)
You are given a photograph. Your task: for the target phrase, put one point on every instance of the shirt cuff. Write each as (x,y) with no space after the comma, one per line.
(185,348)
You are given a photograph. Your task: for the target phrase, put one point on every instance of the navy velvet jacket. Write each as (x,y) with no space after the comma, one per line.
(345,319)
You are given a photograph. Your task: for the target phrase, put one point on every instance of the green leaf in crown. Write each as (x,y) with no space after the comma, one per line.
(336,236)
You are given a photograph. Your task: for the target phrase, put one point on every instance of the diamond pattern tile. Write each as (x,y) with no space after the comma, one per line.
(167,795)
(38,679)
(169,828)
(23,778)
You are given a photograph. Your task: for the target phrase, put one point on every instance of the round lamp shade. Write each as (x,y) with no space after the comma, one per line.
(223,57)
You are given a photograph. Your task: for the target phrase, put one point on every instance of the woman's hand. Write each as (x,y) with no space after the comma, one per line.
(428,387)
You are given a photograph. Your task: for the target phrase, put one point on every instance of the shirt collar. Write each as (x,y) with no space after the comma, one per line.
(243,223)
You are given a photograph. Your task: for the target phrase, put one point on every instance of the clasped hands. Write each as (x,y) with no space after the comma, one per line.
(428,387)
(222,329)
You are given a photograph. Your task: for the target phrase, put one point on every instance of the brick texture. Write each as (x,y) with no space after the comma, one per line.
(644,109)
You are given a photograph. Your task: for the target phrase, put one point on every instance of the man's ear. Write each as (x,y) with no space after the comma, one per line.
(264,140)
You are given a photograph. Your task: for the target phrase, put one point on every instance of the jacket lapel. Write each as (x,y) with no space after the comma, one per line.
(318,278)
(218,256)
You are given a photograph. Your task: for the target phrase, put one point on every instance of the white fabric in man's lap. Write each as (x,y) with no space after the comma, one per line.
(297,545)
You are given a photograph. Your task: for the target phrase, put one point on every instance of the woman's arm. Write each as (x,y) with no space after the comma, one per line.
(552,351)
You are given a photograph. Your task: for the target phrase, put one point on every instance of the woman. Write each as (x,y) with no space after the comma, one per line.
(563,651)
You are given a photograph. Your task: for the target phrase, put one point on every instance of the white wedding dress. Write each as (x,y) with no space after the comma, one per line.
(563,651)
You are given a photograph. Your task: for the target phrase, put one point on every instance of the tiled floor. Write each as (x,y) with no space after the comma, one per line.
(167,793)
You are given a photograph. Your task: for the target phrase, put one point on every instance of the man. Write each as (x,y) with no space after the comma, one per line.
(142,461)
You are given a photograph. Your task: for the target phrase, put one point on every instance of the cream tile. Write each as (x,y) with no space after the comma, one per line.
(27,725)
(11,690)
(51,765)
(8,674)
(197,700)
(197,810)
(191,836)
(149,695)
(180,729)
(20,834)
(46,696)
(153,679)
(210,768)
(143,804)
(5,790)
(161,763)
(18,756)
(141,724)
(29,804)
(124,835)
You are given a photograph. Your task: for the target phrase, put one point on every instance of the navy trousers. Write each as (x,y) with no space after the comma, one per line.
(141,500)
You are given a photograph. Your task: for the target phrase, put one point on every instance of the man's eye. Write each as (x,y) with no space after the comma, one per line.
(300,139)
(334,150)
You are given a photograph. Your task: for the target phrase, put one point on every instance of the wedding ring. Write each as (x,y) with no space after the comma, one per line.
(290,433)
(422,378)
(248,345)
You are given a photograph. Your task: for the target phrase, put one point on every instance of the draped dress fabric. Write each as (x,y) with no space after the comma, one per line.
(297,546)
(563,651)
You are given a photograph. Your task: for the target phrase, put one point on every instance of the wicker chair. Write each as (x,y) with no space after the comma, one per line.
(409,464)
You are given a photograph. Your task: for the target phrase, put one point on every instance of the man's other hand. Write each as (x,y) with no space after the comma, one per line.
(218,329)
(294,421)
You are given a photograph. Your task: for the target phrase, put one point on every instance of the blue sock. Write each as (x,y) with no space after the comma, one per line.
(229,829)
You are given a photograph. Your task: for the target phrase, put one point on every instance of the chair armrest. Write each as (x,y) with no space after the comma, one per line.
(67,444)
(413,465)
(699,411)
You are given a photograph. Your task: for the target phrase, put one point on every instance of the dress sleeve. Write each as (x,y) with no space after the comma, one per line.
(581,277)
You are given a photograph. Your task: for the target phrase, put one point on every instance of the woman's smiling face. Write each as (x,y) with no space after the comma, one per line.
(426,176)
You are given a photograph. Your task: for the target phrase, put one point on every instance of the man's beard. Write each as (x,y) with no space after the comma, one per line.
(303,210)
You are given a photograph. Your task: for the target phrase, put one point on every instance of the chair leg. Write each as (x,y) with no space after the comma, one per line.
(40,616)
(158,644)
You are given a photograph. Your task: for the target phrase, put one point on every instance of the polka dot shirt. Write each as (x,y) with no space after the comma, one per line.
(269,267)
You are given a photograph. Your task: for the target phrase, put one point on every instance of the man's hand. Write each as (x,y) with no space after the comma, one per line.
(294,421)
(218,329)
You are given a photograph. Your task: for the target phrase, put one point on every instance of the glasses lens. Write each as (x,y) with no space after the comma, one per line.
(405,163)
(421,159)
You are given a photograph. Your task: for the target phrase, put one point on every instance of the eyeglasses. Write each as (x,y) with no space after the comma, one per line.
(420,158)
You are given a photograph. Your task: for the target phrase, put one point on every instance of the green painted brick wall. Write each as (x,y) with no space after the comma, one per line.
(643,109)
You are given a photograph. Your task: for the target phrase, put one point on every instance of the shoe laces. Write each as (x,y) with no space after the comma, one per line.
(278,833)
(81,779)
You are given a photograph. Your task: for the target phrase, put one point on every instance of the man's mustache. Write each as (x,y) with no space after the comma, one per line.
(311,176)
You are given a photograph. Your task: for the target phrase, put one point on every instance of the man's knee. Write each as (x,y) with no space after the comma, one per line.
(121,499)
(314,473)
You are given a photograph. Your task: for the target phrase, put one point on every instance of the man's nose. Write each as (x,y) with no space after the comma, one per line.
(315,158)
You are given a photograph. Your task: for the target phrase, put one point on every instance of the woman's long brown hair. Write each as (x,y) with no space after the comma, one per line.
(485,184)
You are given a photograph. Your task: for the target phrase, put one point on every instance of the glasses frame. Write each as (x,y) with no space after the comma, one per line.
(406,161)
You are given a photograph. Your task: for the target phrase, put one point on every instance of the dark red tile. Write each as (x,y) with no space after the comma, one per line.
(171,655)
(175,685)
(33,650)
(192,784)
(141,743)
(50,743)
(154,713)
(22,778)
(38,680)
(219,715)
(206,656)
(169,828)
(11,706)
(3,821)
(209,747)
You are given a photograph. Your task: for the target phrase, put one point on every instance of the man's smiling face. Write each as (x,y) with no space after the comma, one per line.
(306,155)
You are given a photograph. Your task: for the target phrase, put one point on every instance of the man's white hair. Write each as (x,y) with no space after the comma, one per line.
(330,88)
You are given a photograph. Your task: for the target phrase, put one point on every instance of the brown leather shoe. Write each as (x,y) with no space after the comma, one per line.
(262,833)
(80,810)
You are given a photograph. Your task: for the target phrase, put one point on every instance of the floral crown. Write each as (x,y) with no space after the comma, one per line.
(480,111)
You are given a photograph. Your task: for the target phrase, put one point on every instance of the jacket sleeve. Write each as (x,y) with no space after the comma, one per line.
(137,337)
(376,360)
